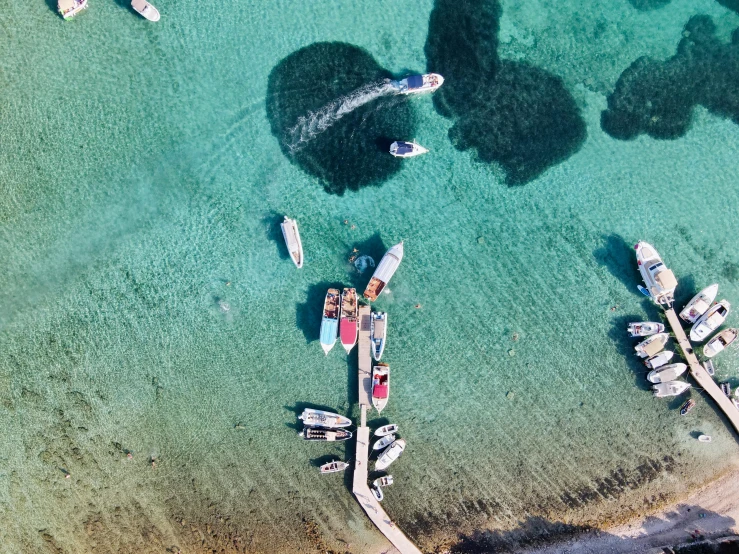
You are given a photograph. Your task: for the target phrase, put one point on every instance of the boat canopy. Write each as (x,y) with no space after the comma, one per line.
(379,391)
(415,81)
(666,279)
(403,148)
(653,347)
(66,5)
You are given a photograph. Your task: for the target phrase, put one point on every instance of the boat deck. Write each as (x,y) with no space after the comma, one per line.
(360,487)
(699,373)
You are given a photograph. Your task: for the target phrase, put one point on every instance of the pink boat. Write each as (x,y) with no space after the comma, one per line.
(349,323)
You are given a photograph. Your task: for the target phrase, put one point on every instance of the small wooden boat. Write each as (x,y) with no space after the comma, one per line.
(378,329)
(387,440)
(403,149)
(334,467)
(660,281)
(719,342)
(330,319)
(659,360)
(69,8)
(710,321)
(292,240)
(377,493)
(384,272)
(329,435)
(705,438)
(348,322)
(320,418)
(699,304)
(670,388)
(380,385)
(666,373)
(390,454)
(386,430)
(685,408)
(651,346)
(384,481)
(644,328)
(145,9)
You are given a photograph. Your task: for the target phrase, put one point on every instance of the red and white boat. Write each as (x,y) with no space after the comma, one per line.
(349,322)
(380,385)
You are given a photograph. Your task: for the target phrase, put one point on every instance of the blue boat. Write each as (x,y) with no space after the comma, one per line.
(330,319)
(416,84)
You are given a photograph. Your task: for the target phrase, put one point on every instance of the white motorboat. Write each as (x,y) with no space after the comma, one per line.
(699,304)
(377,493)
(705,438)
(69,8)
(660,281)
(334,467)
(710,321)
(330,319)
(380,385)
(720,342)
(386,430)
(292,240)
(378,330)
(384,481)
(666,373)
(659,360)
(644,328)
(651,346)
(416,84)
(670,388)
(387,440)
(145,9)
(320,418)
(329,435)
(384,272)
(403,149)
(390,454)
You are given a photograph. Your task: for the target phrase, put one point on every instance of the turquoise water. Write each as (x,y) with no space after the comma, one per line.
(147,305)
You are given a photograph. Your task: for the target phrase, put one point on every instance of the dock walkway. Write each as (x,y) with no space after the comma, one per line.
(360,488)
(699,373)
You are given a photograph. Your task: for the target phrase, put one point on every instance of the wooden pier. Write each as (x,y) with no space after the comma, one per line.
(699,373)
(360,487)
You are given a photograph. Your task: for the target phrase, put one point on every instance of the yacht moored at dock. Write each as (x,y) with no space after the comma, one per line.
(651,346)
(644,328)
(720,342)
(334,467)
(292,240)
(670,388)
(699,304)
(660,281)
(710,321)
(328,435)
(145,10)
(378,329)
(659,360)
(320,418)
(666,373)
(348,322)
(390,454)
(417,84)
(330,319)
(384,272)
(380,385)
(403,149)
(69,8)
(386,430)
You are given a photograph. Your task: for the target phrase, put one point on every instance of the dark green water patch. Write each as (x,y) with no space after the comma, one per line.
(648,5)
(658,97)
(512,113)
(329,108)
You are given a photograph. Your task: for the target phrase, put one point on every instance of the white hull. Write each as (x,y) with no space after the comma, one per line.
(670,388)
(377,493)
(292,240)
(710,321)
(69,8)
(651,346)
(390,454)
(666,373)
(659,360)
(146,10)
(385,481)
(644,328)
(660,281)
(378,330)
(334,467)
(384,272)
(405,149)
(383,442)
(699,304)
(705,438)
(321,418)
(720,342)
(419,84)
(386,430)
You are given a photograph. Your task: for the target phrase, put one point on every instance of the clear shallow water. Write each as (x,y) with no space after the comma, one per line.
(141,187)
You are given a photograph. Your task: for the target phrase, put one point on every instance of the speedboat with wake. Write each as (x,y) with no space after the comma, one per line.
(145,9)
(348,322)
(386,430)
(417,84)
(659,360)
(380,386)
(660,281)
(330,319)
(710,321)
(390,454)
(403,149)
(666,373)
(384,271)
(651,346)
(670,388)
(719,342)
(69,8)
(328,435)
(378,328)
(334,467)
(699,304)
(644,328)
(319,418)
(292,240)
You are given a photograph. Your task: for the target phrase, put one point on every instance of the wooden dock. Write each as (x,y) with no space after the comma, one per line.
(699,373)
(360,487)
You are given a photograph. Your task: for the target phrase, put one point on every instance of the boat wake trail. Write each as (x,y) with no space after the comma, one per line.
(310,126)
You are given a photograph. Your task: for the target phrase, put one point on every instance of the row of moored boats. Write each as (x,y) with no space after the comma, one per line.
(69,8)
